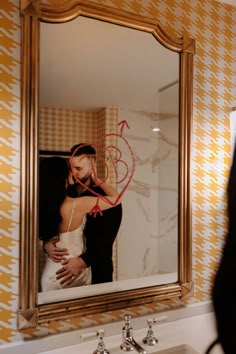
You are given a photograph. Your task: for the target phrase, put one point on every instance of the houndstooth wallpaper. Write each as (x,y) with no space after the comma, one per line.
(213,25)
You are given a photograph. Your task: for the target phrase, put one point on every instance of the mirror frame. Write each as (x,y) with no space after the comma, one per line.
(30,314)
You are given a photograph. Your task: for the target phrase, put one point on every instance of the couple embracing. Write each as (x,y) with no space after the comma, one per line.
(78,245)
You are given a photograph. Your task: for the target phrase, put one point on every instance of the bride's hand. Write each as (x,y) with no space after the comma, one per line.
(97,181)
(71,269)
(71,178)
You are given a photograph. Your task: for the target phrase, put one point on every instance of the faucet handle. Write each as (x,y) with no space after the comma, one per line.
(127,318)
(101,349)
(127,327)
(127,332)
(150,339)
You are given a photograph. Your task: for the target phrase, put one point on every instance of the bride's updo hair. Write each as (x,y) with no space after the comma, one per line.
(53,175)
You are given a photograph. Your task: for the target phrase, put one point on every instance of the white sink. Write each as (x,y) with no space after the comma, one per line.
(179,349)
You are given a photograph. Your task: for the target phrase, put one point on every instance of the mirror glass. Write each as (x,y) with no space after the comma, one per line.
(100,80)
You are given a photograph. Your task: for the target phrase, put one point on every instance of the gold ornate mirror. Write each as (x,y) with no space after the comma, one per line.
(85,61)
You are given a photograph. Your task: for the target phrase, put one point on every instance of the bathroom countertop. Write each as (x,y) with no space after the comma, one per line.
(196,332)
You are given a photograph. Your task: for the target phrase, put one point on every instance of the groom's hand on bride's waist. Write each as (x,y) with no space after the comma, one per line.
(56,254)
(71,269)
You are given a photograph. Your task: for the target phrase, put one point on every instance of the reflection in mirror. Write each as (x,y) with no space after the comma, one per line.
(93,76)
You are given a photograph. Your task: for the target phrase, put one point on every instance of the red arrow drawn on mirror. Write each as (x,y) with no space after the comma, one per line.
(122,124)
(96,209)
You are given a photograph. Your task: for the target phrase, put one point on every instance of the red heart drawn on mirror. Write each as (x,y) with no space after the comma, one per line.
(122,163)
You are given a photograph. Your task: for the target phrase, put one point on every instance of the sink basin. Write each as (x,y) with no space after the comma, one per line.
(179,349)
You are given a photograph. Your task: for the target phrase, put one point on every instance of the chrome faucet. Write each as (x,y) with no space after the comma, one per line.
(128,341)
(101,349)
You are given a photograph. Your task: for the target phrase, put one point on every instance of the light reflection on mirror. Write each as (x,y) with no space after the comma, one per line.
(94,75)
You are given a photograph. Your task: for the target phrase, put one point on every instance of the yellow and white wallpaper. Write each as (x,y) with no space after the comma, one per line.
(213,25)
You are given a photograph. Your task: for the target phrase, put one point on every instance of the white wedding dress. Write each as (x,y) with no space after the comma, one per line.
(75,243)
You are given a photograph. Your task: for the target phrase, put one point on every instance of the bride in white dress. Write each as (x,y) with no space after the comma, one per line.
(75,243)
(65,217)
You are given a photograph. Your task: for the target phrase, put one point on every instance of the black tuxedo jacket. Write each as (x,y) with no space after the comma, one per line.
(100,233)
